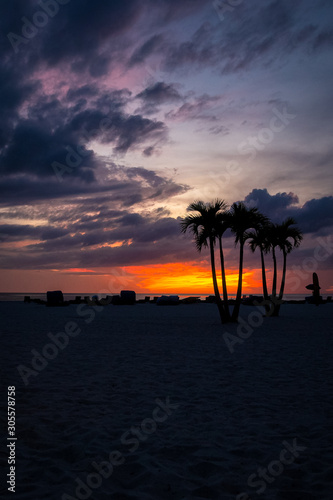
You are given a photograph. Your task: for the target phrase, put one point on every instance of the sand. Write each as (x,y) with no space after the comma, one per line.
(155,394)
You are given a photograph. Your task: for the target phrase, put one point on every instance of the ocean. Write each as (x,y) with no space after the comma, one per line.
(19,297)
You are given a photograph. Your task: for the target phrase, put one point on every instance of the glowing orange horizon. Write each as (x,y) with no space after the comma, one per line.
(189,278)
(186,278)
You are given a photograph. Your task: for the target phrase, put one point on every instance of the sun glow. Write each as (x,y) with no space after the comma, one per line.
(186,278)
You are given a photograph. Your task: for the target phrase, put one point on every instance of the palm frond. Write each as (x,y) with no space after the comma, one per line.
(203,221)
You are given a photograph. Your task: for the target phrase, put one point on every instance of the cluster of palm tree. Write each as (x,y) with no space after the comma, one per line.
(209,221)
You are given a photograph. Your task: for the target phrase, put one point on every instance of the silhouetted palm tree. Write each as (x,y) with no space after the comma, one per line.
(223,223)
(285,234)
(242,219)
(279,236)
(202,222)
(272,237)
(259,239)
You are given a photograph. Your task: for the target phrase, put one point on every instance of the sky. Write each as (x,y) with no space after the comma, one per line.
(115,116)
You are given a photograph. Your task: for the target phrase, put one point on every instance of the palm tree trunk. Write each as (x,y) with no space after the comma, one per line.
(274,274)
(216,288)
(263,272)
(275,307)
(224,283)
(264,282)
(235,312)
(283,280)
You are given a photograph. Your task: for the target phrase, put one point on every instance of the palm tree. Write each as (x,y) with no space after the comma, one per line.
(242,219)
(284,233)
(279,236)
(202,222)
(259,239)
(223,223)
(272,238)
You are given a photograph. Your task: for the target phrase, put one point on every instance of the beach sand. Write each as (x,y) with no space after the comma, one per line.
(158,385)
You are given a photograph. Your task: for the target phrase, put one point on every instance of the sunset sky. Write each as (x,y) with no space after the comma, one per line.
(116,115)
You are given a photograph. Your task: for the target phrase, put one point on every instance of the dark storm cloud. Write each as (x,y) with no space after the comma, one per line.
(24,190)
(315,216)
(82,27)
(51,143)
(75,244)
(124,131)
(270,204)
(131,220)
(153,97)
(15,232)
(32,150)
(159,93)
(78,31)
(74,33)
(14,91)
(37,142)
(133,130)
(124,186)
